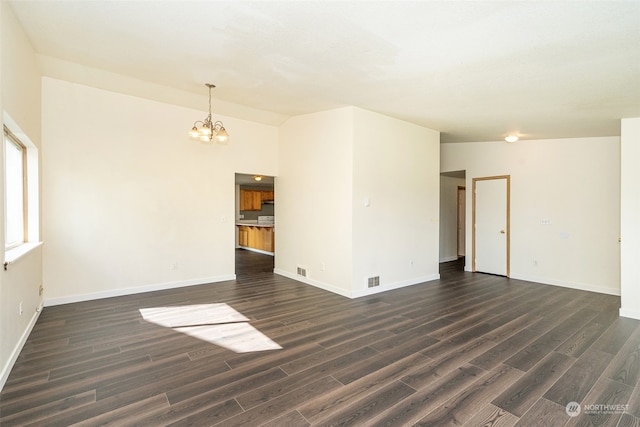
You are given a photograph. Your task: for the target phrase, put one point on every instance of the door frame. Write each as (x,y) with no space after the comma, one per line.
(473,219)
(460,213)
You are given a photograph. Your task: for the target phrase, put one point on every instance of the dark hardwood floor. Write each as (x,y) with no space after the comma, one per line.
(468,349)
(249,263)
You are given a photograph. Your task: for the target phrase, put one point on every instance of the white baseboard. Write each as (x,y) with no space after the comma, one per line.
(449,258)
(6,369)
(396,285)
(136,290)
(632,314)
(316,283)
(360,293)
(565,284)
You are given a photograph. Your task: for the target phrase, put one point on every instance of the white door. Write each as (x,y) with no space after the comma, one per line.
(491,225)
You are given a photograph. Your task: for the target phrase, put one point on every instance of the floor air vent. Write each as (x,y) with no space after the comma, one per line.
(374,281)
(302,271)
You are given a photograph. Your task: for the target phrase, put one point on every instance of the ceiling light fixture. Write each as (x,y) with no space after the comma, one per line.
(207,130)
(511,138)
(258,178)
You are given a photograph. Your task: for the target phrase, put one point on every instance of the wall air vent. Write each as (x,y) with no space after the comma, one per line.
(374,281)
(302,271)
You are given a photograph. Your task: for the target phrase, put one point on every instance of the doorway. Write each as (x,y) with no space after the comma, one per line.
(452,220)
(491,225)
(254,223)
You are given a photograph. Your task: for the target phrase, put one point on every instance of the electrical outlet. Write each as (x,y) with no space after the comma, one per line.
(174,266)
(41,290)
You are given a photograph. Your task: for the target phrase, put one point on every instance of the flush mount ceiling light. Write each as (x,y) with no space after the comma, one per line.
(511,138)
(258,178)
(207,130)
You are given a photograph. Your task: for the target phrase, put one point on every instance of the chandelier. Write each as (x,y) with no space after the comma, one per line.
(207,130)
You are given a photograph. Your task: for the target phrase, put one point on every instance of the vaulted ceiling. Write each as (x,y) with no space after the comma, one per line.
(474,70)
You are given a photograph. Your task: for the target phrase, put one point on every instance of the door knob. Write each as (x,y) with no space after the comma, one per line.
(502,232)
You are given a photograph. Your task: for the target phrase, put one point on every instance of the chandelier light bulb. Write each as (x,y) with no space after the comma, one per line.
(222,136)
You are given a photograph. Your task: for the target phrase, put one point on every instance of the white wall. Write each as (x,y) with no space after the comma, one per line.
(132,202)
(630,218)
(449,217)
(20,82)
(575,183)
(396,167)
(314,199)
(329,163)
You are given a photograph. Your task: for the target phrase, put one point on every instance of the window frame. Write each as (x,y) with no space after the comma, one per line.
(11,138)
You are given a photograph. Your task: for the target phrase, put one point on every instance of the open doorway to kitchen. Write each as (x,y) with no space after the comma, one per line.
(254,223)
(452,220)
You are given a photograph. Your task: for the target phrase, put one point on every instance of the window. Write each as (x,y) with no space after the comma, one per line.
(21,192)
(15,191)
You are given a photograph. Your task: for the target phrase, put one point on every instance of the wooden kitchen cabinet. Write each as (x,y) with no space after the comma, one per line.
(266,239)
(243,236)
(252,240)
(267,196)
(256,237)
(250,200)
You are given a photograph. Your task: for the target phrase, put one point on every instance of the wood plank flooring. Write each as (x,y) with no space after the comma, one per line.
(468,349)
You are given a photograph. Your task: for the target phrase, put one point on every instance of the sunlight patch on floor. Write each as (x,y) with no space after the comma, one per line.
(219,324)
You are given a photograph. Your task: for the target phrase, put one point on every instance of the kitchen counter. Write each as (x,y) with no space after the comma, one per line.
(252,224)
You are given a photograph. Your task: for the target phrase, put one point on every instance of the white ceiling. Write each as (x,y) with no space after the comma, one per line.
(474,70)
(247,180)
